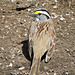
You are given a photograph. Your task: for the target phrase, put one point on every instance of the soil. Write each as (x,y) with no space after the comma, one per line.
(14,25)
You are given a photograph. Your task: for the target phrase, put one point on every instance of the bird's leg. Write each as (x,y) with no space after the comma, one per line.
(35,67)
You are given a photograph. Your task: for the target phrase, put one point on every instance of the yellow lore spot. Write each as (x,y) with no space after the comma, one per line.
(37,12)
(34,9)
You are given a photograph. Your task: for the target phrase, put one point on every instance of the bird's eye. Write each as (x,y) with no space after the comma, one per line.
(39,13)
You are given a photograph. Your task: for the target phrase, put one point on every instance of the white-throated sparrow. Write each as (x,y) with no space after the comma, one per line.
(41,38)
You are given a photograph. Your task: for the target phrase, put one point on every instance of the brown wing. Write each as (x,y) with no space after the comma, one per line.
(42,35)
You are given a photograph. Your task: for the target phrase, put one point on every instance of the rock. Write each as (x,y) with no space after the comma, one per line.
(10,65)
(55,15)
(43,4)
(55,74)
(14,72)
(12,0)
(65,73)
(6,26)
(72,18)
(61,18)
(23,71)
(21,68)
(67,13)
(29,9)
(55,7)
(24,20)
(1,48)
(55,0)
(47,73)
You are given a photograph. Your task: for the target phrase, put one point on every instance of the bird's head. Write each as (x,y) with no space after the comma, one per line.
(40,14)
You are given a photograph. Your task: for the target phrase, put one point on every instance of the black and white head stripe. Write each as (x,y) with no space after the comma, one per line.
(43,11)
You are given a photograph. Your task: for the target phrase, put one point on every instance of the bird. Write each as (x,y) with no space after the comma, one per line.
(41,38)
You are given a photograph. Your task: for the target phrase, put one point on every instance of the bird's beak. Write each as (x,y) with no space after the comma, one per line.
(32,14)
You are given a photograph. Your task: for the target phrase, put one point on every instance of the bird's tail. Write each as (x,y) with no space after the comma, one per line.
(35,67)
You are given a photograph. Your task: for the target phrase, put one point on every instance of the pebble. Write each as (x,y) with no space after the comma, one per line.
(6,21)
(15,23)
(14,72)
(25,29)
(0,64)
(9,28)
(37,4)
(67,50)
(24,71)
(72,18)
(64,21)
(29,0)
(12,0)
(7,65)
(67,14)
(27,73)
(6,26)
(26,16)
(13,61)
(10,65)
(72,12)
(52,70)
(29,9)
(55,15)
(13,56)
(66,73)
(1,48)
(45,68)
(17,31)
(54,6)
(61,18)
(55,0)
(11,25)
(47,73)
(18,52)
(67,33)
(25,34)
(1,9)
(21,68)
(3,16)
(24,20)
(69,26)
(55,74)
(43,4)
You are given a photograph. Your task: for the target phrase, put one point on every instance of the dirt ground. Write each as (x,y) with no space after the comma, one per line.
(14,25)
